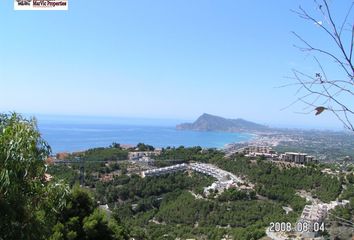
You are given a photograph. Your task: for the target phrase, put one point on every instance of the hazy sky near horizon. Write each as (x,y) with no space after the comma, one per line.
(159,59)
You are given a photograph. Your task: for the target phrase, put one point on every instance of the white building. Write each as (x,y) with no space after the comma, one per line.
(224,179)
(164,170)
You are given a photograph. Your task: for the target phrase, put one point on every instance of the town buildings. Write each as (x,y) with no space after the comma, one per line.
(269,153)
(258,149)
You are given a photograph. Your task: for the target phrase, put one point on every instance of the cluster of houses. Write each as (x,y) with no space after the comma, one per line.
(313,216)
(310,225)
(269,153)
(165,170)
(224,179)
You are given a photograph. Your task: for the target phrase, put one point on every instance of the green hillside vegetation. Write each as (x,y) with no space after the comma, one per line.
(105,154)
(135,188)
(189,154)
(281,184)
(166,207)
(346,212)
(155,206)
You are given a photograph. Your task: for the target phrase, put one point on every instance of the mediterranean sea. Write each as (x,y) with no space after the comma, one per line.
(69,135)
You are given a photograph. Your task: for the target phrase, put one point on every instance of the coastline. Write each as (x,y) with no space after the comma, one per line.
(75,138)
(253,140)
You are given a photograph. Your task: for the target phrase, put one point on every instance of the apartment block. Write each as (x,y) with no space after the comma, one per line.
(300,158)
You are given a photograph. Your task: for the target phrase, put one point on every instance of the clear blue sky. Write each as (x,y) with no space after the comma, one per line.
(157,59)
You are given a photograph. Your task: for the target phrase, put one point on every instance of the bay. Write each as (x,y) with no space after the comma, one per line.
(71,136)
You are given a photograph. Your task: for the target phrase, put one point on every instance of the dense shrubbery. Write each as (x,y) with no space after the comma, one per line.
(233,194)
(105,154)
(348,192)
(346,212)
(134,188)
(80,219)
(190,154)
(165,200)
(185,209)
(144,147)
(180,212)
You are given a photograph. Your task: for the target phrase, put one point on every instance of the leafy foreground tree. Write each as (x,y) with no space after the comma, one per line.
(30,205)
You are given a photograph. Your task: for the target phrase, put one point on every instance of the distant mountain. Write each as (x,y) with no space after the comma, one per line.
(208,122)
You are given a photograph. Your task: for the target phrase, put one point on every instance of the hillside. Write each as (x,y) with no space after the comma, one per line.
(208,122)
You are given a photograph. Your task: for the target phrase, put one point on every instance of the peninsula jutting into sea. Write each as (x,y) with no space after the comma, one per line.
(208,122)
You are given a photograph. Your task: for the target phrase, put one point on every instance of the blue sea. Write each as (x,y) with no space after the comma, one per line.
(69,135)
